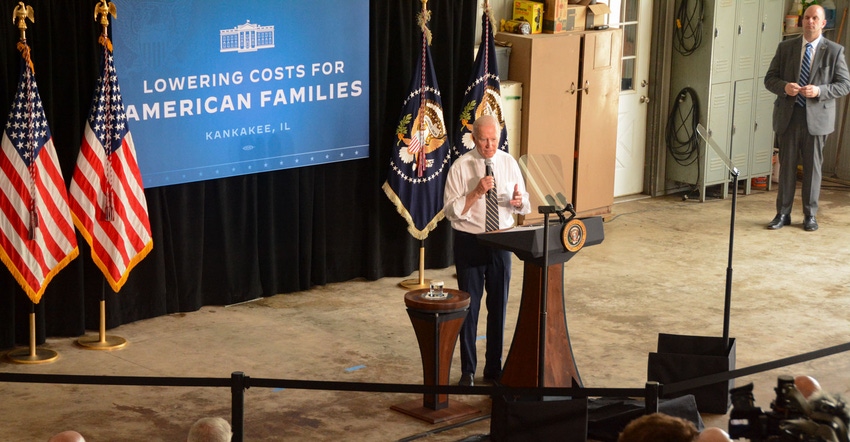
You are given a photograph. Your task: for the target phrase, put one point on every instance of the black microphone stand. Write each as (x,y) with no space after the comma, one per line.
(734,172)
(544,303)
(728,297)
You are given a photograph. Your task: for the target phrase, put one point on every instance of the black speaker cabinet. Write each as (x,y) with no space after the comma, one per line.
(681,358)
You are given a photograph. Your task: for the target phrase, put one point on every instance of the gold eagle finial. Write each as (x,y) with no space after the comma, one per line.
(19,16)
(104,8)
(21,12)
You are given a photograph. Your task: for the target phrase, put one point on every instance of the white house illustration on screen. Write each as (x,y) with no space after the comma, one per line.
(247,37)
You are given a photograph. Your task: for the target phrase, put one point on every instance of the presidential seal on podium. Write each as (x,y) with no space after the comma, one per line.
(573,235)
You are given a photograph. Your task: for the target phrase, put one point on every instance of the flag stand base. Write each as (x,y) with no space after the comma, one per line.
(32,355)
(413,284)
(102,341)
(421,283)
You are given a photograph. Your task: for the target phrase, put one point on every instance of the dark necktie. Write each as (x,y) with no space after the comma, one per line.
(492,220)
(804,73)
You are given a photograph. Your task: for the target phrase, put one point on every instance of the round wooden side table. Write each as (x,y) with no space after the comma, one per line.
(437,322)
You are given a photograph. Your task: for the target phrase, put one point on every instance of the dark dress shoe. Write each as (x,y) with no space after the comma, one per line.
(779,221)
(810,224)
(466,380)
(490,378)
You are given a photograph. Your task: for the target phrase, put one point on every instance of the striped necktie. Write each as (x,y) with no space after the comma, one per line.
(804,73)
(491,222)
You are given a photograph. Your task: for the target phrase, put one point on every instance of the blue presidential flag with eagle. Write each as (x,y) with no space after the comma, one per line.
(483,94)
(421,155)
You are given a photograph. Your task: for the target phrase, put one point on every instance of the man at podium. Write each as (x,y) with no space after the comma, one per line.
(484,189)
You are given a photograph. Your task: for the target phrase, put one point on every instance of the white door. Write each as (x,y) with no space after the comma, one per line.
(635,18)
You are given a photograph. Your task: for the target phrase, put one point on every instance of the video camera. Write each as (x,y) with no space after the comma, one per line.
(821,418)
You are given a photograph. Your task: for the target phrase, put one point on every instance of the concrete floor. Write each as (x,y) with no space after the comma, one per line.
(661,269)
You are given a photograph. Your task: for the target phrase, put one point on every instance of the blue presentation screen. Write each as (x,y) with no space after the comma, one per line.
(222,88)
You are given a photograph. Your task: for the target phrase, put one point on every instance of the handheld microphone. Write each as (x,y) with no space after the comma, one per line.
(488,166)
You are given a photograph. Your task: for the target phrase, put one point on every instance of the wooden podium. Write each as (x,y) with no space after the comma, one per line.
(437,323)
(525,363)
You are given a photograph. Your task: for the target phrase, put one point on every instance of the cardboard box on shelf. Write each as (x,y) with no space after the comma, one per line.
(555,9)
(597,14)
(531,12)
(579,13)
(559,16)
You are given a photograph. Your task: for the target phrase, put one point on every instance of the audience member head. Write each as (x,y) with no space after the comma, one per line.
(806,385)
(67,436)
(713,434)
(659,427)
(210,429)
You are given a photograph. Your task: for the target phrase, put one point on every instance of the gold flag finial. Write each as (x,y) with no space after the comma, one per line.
(102,11)
(19,16)
(422,20)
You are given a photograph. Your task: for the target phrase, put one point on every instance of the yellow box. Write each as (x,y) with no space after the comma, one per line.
(531,12)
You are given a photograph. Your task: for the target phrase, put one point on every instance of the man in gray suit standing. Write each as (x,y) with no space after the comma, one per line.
(807,74)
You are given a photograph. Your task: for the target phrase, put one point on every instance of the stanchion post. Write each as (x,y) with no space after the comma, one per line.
(238,385)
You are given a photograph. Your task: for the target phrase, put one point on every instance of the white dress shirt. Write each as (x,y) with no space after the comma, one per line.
(465,174)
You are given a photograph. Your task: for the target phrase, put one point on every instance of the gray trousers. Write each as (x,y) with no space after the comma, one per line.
(796,144)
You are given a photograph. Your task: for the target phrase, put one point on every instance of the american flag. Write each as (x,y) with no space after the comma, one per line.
(483,95)
(37,236)
(421,155)
(107,195)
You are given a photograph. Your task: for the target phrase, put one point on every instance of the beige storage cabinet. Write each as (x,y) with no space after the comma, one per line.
(571,87)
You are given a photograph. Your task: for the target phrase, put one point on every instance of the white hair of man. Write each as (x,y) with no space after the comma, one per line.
(210,429)
(481,121)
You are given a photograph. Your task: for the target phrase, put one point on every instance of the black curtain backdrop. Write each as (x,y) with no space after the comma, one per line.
(230,240)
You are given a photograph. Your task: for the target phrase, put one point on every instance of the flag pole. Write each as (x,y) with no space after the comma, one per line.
(32,354)
(421,283)
(103,342)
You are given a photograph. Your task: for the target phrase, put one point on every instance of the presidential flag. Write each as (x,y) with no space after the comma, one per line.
(107,196)
(421,156)
(37,237)
(483,94)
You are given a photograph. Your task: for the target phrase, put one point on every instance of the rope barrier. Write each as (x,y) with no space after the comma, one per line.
(239,382)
